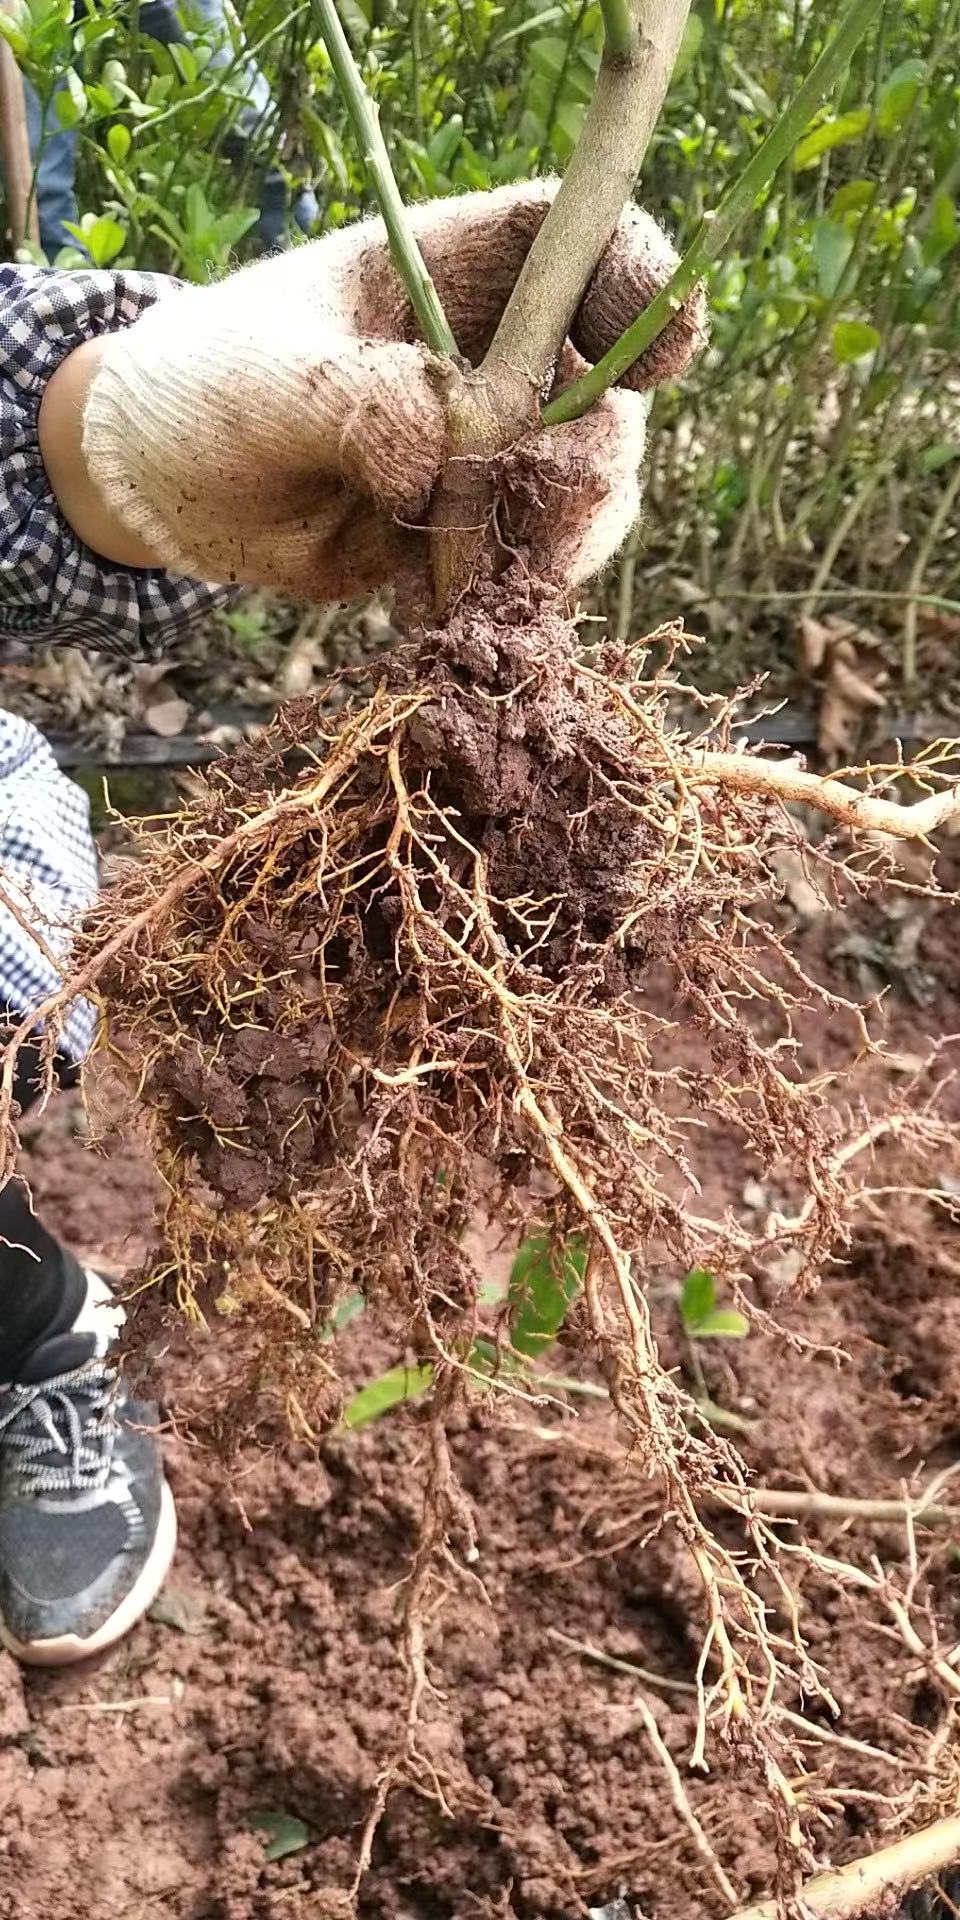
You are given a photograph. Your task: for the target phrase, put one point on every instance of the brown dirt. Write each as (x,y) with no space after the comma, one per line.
(270,1678)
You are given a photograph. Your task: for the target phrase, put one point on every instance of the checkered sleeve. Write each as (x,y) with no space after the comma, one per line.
(52,587)
(48,874)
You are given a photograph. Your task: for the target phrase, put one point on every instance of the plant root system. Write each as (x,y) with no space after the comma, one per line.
(368,1006)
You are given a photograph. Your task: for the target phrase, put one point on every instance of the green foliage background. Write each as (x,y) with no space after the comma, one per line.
(816,447)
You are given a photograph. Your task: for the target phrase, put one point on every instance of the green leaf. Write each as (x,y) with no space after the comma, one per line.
(105,239)
(119,142)
(832,247)
(114,76)
(64,106)
(426,172)
(723,1323)
(484,1357)
(185,60)
(567,127)
(730,487)
(722,1417)
(444,144)
(917,293)
(878,389)
(550,58)
(852,339)
(356,19)
(159,90)
(933,458)
(851,198)
(899,93)
(755,97)
(197,210)
(14,36)
(544,1279)
(551,16)
(89,32)
(329,147)
(387,1391)
(697,1297)
(232,225)
(510,167)
(282,1833)
(830,133)
(350,1308)
(471,169)
(943,230)
(70,102)
(690,43)
(533,129)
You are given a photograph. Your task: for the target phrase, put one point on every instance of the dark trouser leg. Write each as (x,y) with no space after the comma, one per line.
(42,1286)
(56,194)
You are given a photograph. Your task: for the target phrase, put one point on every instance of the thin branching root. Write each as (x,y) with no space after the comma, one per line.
(405,989)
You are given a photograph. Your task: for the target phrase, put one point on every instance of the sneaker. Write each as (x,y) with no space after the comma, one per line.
(87,1521)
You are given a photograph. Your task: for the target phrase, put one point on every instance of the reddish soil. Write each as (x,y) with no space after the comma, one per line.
(269,1679)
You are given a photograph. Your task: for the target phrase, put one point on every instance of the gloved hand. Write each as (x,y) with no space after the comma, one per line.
(284,427)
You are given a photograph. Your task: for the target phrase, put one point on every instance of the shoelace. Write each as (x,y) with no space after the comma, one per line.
(71,1415)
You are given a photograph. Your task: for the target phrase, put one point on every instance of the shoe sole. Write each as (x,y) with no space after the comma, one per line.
(69,1648)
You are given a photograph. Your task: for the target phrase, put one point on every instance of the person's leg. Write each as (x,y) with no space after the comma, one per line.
(158,19)
(42,1286)
(306,208)
(87,1522)
(56,193)
(220,24)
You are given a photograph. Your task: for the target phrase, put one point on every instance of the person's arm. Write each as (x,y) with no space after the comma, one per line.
(60,428)
(70,572)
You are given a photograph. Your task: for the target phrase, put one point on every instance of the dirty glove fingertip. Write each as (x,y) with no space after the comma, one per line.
(636,265)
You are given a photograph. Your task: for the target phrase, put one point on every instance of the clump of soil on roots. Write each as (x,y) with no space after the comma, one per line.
(372,1006)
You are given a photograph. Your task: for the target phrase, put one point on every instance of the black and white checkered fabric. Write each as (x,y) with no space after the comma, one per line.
(55,591)
(48,874)
(52,587)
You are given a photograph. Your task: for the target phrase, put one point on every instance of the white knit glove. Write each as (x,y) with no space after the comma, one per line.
(284,427)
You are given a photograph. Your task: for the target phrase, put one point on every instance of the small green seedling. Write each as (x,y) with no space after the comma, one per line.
(702,1318)
(342,1315)
(545,1279)
(387,1391)
(282,1833)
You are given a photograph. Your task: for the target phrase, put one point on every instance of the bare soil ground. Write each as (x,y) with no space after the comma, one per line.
(268,1682)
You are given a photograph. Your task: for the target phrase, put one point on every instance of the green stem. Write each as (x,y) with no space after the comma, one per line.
(560,85)
(940,519)
(35,175)
(408,259)
(939,600)
(133,45)
(716,228)
(416,62)
(625,586)
(619,29)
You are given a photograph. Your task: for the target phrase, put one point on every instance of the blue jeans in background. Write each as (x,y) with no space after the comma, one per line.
(56,199)
(56,192)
